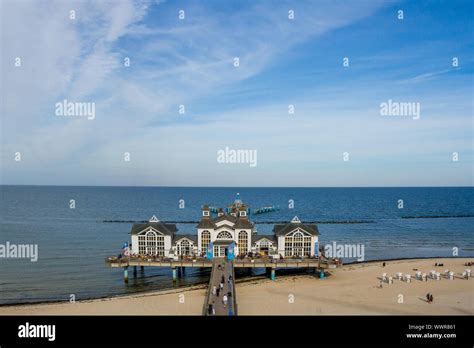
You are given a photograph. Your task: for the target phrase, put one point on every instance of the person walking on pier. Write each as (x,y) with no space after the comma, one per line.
(218,291)
(211,310)
(214,290)
(221,285)
(224,300)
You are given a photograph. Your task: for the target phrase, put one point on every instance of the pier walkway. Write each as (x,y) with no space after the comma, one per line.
(222,269)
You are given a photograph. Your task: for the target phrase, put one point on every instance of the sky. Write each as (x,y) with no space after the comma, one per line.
(140,136)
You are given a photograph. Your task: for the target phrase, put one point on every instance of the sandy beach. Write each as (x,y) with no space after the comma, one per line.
(352,289)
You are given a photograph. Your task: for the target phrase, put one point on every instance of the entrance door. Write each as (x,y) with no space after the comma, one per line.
(220,251)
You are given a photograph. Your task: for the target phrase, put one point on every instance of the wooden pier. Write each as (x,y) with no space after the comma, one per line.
(321,263)
(222,269)
(225,270)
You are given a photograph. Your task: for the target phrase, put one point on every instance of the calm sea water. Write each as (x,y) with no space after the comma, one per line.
(73,243)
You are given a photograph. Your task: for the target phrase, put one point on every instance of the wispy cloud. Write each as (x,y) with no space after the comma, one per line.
(183,62)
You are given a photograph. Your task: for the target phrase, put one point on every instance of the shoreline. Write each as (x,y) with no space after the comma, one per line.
(253,290)
(204,284)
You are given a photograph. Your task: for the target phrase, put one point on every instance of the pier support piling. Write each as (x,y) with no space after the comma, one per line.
(321,274)
(125,274)
(174,273)
(134,271)
(273,274)
(179,272)
(142,268)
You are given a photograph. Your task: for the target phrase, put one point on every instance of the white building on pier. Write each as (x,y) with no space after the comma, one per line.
(293,239)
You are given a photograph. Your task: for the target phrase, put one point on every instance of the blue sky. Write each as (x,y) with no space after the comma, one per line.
(190,62)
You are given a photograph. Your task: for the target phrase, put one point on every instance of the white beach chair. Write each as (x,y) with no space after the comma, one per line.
(399,275)
(390,280)
(408,278)
(418,275)
(468,271)
(451,275)
(433,274)
(438,276)
(424,277)
(464,274)
(384,277)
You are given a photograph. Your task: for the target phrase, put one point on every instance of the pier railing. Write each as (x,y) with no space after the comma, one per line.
(234,294)
(208,293)
(238,263)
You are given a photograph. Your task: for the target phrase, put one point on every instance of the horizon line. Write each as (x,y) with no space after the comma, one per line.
(236,187)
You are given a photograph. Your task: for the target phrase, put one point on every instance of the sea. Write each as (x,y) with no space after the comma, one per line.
(77,227)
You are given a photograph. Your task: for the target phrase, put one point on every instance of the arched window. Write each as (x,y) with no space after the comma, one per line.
(205,240)
(151,243)
(297,244)
(184,247)
(243,243)
(224,235)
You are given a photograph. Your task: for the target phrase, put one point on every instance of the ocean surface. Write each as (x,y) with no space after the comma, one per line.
(73,243)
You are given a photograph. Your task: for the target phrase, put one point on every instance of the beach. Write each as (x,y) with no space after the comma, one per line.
(353,289)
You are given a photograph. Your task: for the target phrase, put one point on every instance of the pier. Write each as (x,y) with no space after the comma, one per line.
(224,242)
(225,270)
(222,271)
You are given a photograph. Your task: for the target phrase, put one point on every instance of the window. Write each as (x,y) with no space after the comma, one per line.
(151,243)
(142,244)
(307,246)
(297,244)
(224,235)
(183,247)
(264,244)
(205,240)
(243,243)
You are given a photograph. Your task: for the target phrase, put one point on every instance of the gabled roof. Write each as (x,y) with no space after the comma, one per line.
(192,237)
(167,229)
(206,222)
(224,226)
(227,217)
(283,229)
(243,223)
(257,237)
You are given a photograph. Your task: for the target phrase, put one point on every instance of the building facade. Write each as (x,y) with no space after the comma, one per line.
(159,239)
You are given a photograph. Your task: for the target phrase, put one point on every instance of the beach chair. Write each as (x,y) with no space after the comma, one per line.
(384,277)
(438,276)
(451,275)
(408,278)
(418,275)
(468,273)
(390,280)
(424,277)
(399,275)
(433,274)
